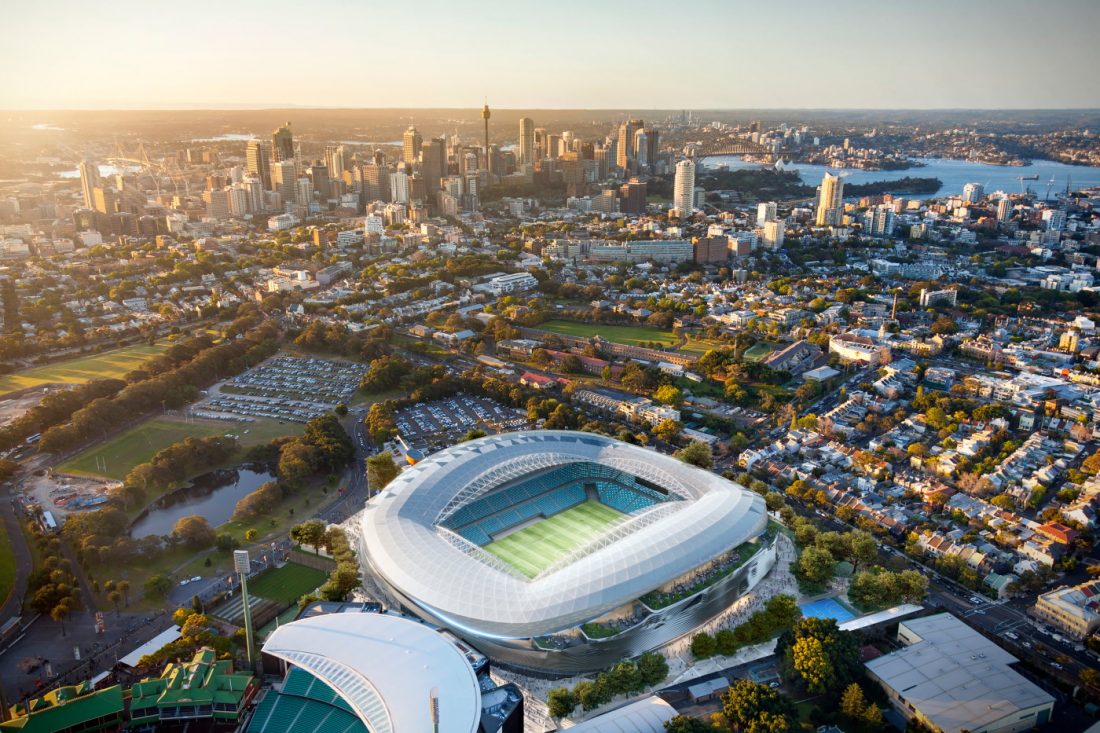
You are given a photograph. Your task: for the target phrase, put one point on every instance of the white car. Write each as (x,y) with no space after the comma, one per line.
(196,579)
(185,581)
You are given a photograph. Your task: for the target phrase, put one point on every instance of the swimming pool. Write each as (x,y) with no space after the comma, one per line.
(827,608)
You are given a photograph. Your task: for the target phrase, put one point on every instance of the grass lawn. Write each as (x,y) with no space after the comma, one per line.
(7,563)
(698,347)
(759,351)
(533,549)
(628,335)
(84,369)
(288,583)
(141,442)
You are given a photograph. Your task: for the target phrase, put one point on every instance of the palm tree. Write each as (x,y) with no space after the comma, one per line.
(60,612)
(123,587)
(114,597)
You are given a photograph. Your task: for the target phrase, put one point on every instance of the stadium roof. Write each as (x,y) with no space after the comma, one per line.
(466,588)
(386,667)
(647,715)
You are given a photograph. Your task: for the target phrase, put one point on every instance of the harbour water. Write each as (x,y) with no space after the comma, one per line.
(954,173)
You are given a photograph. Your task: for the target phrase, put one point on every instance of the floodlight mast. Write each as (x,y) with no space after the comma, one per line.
(242,565)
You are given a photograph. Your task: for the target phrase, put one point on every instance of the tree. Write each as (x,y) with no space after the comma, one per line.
(816,566)
(685,724)
(114,597)
(852,702)
(158,586)
(380,470)
(810,660)
(697,453)
(703,645)
(310,533)
(1089,677)
(746,701)
(560,702)
(194,531)
(251,534)
(472,434)
(653,667)
(669,395)
(668,430)
(123,587)
(769,722)
(60,612)
(589,695)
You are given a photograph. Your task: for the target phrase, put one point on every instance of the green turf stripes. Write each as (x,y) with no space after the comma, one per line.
(532,549)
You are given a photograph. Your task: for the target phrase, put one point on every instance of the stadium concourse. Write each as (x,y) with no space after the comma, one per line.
(558,552)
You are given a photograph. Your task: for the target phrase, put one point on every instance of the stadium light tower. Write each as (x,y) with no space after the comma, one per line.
(242,566)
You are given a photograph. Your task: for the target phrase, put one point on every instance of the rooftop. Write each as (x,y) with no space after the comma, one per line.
(954,676)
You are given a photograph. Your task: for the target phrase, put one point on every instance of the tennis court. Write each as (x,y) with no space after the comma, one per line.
(827,608)
(535,548)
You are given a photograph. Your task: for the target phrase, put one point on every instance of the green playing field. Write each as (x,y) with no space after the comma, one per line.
(533,549)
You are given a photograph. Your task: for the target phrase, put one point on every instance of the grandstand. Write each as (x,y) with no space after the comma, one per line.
(304,704)
(520,504)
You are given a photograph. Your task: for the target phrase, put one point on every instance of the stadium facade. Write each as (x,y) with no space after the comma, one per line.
(562,552)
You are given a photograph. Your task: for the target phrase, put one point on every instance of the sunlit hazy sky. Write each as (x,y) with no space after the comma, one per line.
(126,54)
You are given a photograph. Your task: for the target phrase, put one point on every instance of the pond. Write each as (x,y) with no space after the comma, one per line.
(212,495)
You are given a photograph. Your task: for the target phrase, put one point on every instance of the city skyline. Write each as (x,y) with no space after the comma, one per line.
(948,56)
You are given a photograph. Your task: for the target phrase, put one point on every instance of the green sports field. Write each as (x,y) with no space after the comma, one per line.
(288,583)
(110,364)
(628,335)
(533,549)
(759,351)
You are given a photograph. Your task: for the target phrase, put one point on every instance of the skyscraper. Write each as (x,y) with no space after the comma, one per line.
(257,162)
(335,161)
(765,212)
(411,149)
(773,234)
(830,200)
(683,189)
(282,144)
(973,192)
(641,148)
(433,162)
(627,131)
(89,180)
(526,141)
(284,182)
(487,159)
(1004,209)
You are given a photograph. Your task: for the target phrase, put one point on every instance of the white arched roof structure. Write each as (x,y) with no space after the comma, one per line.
(462,587)
(387,668)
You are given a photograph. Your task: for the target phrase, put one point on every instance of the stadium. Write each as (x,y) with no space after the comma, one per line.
(561,552)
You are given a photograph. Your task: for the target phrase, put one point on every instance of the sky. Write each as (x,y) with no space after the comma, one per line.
(564,54)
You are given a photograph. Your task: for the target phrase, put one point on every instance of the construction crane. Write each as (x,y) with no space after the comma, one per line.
(1050,187)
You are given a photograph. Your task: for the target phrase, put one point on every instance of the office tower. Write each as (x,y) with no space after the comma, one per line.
(105,199)
(572,173)
(632,197)
(469,162)
(764,213)
(487,159)
(602,157)
(89,180)
(433,162)
(1004,209)
(683,188)
(540,143)
(217,203)
(319,175)
(257,162)
(773,234)
(418,189)
(399,186)
(553,146)
(641,148)
(830,200)
(653,135)
(335,161)
(1055,220)
(376,182)
(973,192)
(282,144)
(625,151)
(283,180)
(411,148)
(526,141)
(304,191)
(238,201)
(255,188)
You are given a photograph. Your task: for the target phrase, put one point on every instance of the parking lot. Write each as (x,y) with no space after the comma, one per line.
(440,423)
(283,388)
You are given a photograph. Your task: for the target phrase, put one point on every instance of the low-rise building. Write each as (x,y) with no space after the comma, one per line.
(1073,609)
(953,679)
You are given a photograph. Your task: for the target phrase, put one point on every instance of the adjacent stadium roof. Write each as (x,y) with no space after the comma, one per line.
(470,590)
(388,668)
